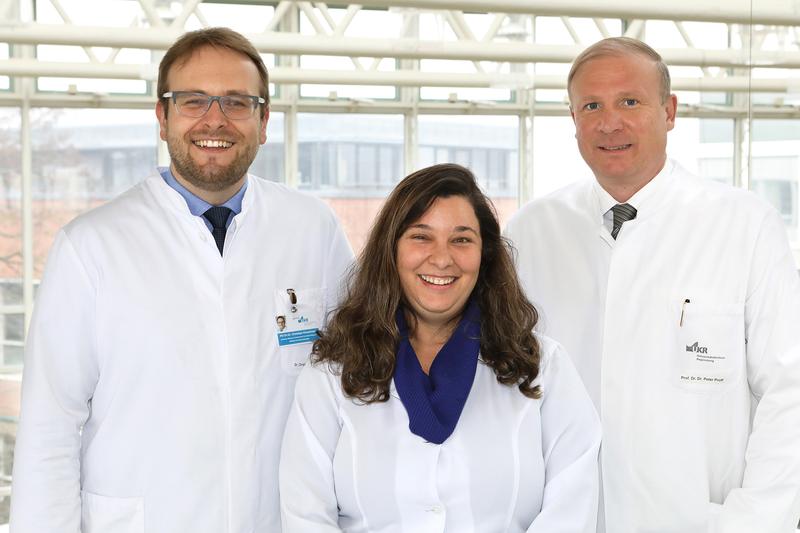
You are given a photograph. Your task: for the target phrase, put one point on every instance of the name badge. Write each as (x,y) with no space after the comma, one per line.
(299,315)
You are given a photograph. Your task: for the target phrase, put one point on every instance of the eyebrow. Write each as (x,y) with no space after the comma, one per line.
(232,92)
(620,94)
(457,229)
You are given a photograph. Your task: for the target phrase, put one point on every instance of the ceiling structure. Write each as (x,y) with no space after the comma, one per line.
(500,41)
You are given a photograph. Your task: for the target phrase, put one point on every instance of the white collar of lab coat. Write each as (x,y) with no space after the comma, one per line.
(646,200)
(172,199)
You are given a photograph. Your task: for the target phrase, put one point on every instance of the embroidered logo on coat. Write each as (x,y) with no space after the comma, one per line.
(697,348)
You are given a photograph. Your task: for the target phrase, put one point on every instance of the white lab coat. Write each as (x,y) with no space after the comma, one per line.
(513,464)
(154,394)
(680,452)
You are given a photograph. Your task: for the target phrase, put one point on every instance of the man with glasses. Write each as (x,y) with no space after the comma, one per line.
(156,382)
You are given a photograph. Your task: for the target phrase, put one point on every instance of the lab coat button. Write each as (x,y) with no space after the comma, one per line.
(435,510)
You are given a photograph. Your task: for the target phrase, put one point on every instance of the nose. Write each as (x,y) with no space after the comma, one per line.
(440,256)
(610,121)
(214,117)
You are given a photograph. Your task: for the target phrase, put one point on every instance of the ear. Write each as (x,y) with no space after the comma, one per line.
(262,133)
(162,119)
(572,114)
(671,109)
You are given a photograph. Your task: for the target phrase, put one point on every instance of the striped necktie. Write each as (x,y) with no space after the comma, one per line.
(622,214)
(218,216)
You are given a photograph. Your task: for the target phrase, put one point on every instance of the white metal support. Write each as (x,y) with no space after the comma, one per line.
(26,88)
(491,31)
(65,17)
(293,74)
(201,18)
(308,11)
(150,12)
(323,10)
(277,16)
(688,40)
(189,7)
(635,29)
(571,29)
(780,12)
(526,153)
(112,56)
(601,26)
(27,212)
(409,98)
(290,22)
(290,43)
(461,29)
(742,142)
(351,12)
(9,11)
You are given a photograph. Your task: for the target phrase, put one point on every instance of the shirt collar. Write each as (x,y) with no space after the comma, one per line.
(641,198)
(198,206)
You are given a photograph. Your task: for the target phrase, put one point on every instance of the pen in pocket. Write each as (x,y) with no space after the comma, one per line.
(683,309)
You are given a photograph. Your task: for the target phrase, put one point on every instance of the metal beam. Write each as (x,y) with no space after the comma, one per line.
(778,12)
(295,44)
(402,78)
(429,107)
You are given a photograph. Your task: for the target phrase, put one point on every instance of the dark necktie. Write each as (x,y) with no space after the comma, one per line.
(218,216)
(622,214)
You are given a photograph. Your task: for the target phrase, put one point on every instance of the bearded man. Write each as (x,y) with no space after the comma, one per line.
(156,383)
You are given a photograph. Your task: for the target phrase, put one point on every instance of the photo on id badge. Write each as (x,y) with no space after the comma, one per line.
(297,321)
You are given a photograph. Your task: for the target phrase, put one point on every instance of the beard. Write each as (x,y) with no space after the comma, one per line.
(210,177)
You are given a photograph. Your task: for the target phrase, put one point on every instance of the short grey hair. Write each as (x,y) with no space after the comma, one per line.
(621,46)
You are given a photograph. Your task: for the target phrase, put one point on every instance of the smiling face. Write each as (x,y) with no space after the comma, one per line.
(438,260)
(211,154)
(621,123)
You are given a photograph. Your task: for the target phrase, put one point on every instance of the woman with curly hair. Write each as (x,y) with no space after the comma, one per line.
(430,404)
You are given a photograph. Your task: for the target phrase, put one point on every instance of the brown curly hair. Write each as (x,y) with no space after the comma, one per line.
(361,339)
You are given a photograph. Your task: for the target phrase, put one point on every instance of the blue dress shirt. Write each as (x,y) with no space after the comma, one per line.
(198,206)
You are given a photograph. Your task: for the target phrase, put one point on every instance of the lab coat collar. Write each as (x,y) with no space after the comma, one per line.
(167,196)
(198,206)
(172,199)
(646,200)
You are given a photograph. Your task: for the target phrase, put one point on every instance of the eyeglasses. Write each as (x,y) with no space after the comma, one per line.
(195,105)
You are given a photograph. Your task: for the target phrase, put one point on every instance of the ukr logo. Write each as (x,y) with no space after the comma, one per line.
(697,348)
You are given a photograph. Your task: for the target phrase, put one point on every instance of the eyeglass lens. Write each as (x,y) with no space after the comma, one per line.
(196,105)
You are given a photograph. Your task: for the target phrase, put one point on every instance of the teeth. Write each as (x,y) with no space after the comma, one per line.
(208,143)
(436,280)
(613,148)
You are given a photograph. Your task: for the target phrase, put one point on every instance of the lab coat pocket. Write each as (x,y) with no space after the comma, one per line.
(299,318)
(710,348)
(104,514)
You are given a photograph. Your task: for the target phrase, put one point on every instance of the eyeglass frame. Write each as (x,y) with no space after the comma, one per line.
(173,95)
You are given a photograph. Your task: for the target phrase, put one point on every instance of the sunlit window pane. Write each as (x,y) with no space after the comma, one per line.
(83,158)
(775,171)
(12,321)
(5,81)
(704,147)
(91,85)
(556,160)
(486,144)
(352,161)
(91,12)
(10,208)
(269,160)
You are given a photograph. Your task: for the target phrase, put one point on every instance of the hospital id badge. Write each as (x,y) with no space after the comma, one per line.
(299,315)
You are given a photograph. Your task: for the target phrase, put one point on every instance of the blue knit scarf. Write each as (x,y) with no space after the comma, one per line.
(434,402)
